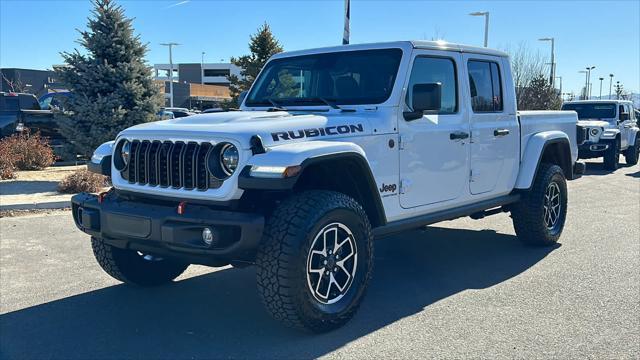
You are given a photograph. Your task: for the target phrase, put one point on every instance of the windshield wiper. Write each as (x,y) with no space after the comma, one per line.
(331,103)
(276,106)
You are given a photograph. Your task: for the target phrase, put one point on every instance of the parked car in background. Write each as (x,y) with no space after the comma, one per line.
(21,112)
(54,100)
(179,112)
(611,129)
(165,115)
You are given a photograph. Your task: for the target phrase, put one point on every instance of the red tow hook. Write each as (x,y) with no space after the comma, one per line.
(182,207)
(101,197)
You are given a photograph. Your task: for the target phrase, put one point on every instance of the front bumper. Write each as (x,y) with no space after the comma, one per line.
(592,150)
(157,228)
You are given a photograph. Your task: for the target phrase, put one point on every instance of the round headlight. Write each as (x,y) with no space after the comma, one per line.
(594,132)
(125,151)
(122,154)
(229,158)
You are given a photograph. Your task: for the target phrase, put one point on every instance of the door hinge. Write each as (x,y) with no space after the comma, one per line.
(404,186)
(470,175)
(400,143)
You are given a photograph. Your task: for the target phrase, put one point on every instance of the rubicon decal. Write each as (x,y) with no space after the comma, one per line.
(325,131)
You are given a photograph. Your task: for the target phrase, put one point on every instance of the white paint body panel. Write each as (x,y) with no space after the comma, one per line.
(434,169)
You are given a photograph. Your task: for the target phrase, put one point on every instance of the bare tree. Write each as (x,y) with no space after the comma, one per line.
(16,84)
(527,66)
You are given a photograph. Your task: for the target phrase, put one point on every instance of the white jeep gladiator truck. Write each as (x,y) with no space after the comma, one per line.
(611,129)
(332,148)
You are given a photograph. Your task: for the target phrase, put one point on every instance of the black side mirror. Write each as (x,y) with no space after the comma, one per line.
(241,98)
(624,116)
(425,98)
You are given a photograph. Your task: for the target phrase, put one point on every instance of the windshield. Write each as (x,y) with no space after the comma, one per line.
(343,78)
(593,110)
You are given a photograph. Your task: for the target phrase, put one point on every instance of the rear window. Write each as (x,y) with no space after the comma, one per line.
(11,103)
(29,102)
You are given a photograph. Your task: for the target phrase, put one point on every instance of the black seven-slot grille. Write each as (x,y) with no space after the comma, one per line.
(170,164)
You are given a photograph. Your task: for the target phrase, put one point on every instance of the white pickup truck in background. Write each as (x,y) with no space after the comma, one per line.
(332,148)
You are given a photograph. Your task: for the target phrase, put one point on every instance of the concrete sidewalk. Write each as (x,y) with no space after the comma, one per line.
(36,190)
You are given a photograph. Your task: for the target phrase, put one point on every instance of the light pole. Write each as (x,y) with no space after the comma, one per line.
(560,77)
(552,75)
(170,45)
(589,68)
(586,84)
(202,69)
(600,78)
(486,24)
(610,83)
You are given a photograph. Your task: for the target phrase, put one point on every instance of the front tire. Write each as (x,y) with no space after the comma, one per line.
(315,260)
(134,268)
(632,153)
(539,216)
(612,156)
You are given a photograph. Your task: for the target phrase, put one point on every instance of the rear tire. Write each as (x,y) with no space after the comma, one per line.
(539,216)
(315,260)
(131,267)
(612,156)
(632,153)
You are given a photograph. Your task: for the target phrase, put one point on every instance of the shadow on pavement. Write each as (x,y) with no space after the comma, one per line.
(219,314)
(597,168)
(17,187)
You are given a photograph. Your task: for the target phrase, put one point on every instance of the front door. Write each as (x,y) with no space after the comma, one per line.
(495,136)
(434,150)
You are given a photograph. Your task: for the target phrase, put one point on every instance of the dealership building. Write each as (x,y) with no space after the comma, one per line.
(196,85)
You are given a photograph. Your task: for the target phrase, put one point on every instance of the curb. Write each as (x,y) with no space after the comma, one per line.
(37,206)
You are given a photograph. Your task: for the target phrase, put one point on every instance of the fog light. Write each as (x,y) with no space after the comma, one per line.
(207,236)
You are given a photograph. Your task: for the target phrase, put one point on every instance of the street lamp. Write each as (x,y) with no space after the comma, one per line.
(202,69)
(170,45)
(600,78)
(486,24)
(552,76)
(610,83)
(560,77)
(586,84)
(589,68)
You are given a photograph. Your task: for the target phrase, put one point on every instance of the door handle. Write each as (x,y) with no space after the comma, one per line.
(500,132)
(458,135)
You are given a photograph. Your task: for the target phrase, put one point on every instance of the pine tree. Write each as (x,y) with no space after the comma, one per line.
(539,95)
(110,81)
(262,45)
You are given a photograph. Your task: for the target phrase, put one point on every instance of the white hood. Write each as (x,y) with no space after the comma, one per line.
(274,128)
(594,123)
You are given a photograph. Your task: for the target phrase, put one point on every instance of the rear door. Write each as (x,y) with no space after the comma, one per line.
(434,155)
(494,127)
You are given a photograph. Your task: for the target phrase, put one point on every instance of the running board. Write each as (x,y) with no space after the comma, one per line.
(449,214)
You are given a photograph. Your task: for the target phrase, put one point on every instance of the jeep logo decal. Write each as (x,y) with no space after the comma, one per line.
(388,188)
(329,130)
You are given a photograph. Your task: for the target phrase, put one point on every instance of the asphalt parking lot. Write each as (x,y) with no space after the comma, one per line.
(462,288)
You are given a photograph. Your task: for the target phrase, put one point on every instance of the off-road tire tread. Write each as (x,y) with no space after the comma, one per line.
(527,213)
(277,251)
(631,154)
(112,261)
(612,156)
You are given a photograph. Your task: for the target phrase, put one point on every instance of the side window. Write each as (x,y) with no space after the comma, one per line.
(429,70)
(485,86)
(620,111)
